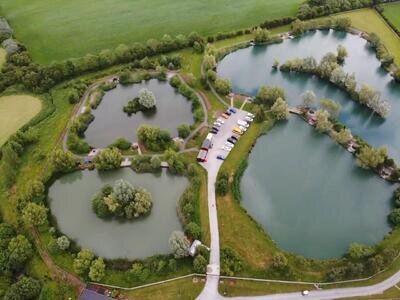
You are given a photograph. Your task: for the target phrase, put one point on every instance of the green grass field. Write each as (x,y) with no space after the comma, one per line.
(56,30)
(370,21)
(2,57)
(392,12)
(15,111)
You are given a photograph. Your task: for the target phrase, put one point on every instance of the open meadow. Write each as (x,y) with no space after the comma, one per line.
(56,30)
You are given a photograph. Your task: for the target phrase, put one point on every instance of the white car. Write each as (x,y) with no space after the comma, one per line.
(216,124)
(248,119)
(250,115)
(243,129)
(242,123)
(219,120)
(226,148)
(229,145)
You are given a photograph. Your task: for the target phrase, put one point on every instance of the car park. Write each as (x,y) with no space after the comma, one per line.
(220,157)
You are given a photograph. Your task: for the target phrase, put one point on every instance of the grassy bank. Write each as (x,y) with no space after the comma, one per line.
(2,57)
(56,30)
(15,111)
(392,12)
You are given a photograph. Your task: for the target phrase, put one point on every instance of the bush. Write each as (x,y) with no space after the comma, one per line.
(222,184)
(121,144)
(200,264)
(63,243)
(231,262)
(108,159)
(183,131)
(154,138)
(193,230)
(223,86)
(394,217)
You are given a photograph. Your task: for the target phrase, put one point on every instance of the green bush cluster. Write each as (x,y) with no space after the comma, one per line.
(76,132)
(154,138)
(231,262)
(146,163)
(121,144)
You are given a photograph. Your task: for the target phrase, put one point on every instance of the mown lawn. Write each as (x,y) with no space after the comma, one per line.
(56,30)
(15,111)
(369,20)
(392,12)
(180,289)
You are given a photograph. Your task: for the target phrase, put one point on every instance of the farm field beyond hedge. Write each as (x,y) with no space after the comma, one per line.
(56,30)
(392,12)
(15,111)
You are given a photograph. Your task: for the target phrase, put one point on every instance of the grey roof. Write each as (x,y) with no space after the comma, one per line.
(92,295)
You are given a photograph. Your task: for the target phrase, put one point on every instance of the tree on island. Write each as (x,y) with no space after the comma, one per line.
(332,107)
(341,53)
(343,137)
(154,138)
(280,109)
(369,157)
(308,98)
(122,200)
(323,124)
(267,95)
(146,98)
(108,159)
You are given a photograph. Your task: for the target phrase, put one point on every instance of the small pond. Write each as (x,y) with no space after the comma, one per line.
(111,122)
(310,196)
(252,67)
(70,202)
(307,192)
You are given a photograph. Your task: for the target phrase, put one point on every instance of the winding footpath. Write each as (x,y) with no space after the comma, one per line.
(210,290)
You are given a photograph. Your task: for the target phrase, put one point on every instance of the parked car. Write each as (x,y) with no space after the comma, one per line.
(229,145)
(305,293)
(225,116)
(216,124)
(215,128)
(243,129)
(235,137)
(232,141)
(226,148)
(237,130)
(220,157)
(248,119)
(219,120)
(242,123)
(228,112)
(213,131)
(250,115)
(232,110)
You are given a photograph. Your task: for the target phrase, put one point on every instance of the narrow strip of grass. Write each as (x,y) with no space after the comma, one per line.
(392,12)
(187,288)
(3,55)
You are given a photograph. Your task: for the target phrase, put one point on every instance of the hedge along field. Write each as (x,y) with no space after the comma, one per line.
(392,12)
(56,30)
(15,111)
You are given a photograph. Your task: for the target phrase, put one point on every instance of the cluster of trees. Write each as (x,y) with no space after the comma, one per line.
(154,138)
(299,27)
(263,36)
(179,244)
(146,163)
(145,101)
(189,202)
(381,52)
(361,260)
(63,161)
(121,144)
(222,183)
(190,94)
(122,200)
(201,259)
(231,262)
(184,130)
(223,86)
(76,132)
(140,271)
(85,264)
(108,159)
(12,151)
(280,109)
(15,252)
(394,216)
(267,95)
(316,8)
(329,69)
(371,158)
(37,78)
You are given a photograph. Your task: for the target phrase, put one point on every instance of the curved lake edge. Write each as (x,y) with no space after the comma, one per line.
(76,244)
(143,78)
(229,51)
